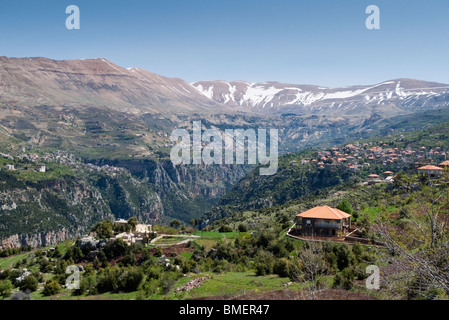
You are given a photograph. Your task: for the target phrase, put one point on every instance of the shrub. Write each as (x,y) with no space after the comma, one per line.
(223,251)
(154,272)
(116,249)
(87,285)
(282,267)
(360,271)
(345,206)
(264,238)
(219,266)
(225,228)
(344,279)
(345,257)
(279,248)
(130,280)
(61,278)
(107,281)
(51,288)
(29,283)
(151,287)
(129,260)
(5,288)
(12,275)
(104,229)
(158,252)
(263,263)
(435,294)
(357,249)
(167,281)
(243,227)
(74,253)
(331,260)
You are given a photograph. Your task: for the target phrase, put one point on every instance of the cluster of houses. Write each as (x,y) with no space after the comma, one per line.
(57,156)
(110,170)
(355,156)
(60,157)
(358,156)
(39,168)
(142,231)
(11,167)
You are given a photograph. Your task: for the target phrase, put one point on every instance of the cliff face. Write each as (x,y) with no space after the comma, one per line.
(35,240)
(42,213)
(183,192)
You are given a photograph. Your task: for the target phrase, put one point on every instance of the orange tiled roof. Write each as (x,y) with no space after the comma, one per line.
(445,163)
(324,212)
(430,167)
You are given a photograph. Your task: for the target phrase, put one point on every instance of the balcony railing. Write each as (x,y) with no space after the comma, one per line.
(327,225)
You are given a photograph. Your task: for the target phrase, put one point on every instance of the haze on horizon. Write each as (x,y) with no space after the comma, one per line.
(303,42)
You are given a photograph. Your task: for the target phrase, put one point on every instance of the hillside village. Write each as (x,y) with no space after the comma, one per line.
(358,156)
(19,162)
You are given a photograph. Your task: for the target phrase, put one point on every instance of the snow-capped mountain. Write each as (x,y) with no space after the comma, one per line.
(101,83)
(279,97)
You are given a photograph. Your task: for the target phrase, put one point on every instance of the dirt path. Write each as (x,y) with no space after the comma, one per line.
(173,236)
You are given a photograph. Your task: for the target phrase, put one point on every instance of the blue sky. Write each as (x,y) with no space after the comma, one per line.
(294,41)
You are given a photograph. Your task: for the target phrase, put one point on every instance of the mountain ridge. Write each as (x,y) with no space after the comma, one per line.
(94,82)
(101,83)
(282,97)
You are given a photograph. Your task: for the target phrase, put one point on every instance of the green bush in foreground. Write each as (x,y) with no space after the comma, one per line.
(5,288)
(29,283)
(51,288)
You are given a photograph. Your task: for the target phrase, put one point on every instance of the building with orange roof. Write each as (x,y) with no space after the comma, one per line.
(431,171)
(444,164)
(323,221)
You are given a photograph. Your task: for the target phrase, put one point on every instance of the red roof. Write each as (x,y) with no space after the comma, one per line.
(324,212)
(444,164)
(430,167)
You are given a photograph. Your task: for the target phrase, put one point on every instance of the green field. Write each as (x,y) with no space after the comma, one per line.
(217,235)
(234,284)
(231,284)
(9,262)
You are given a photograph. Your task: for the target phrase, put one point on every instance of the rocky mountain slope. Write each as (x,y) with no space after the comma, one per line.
(94,82)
